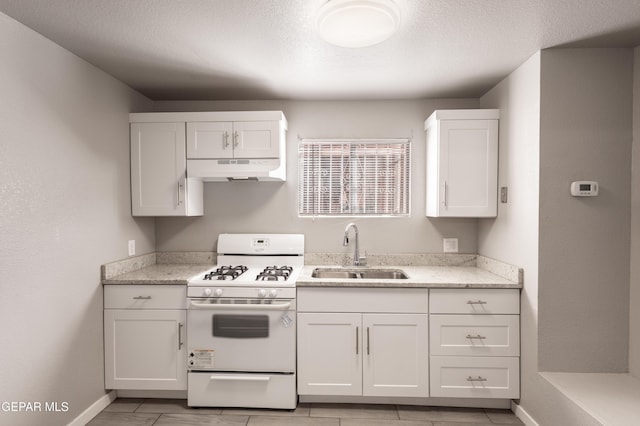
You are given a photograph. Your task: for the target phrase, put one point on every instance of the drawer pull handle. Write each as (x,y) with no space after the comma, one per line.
(476,379)
(180,342)
(476,302)
(141,297)
(357,339)
(475,337)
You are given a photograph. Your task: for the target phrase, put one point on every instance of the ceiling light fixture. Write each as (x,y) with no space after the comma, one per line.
(358,23)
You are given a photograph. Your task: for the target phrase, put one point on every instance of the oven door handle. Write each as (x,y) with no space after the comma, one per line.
(241,378)
(220,307)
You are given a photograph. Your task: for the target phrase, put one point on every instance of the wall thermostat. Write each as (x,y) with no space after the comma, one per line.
(584,188)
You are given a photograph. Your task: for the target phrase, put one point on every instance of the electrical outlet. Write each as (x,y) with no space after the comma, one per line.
(450,245)
(132,247)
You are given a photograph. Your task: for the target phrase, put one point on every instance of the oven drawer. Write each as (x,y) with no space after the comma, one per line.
(475,377)
(242,390)
(474,301)
(145,297)
(474,335)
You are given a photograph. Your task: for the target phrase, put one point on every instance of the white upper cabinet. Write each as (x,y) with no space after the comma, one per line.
(239,139)
(462,163)
(159,184)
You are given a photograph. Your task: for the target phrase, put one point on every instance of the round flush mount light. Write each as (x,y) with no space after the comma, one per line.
(358,23)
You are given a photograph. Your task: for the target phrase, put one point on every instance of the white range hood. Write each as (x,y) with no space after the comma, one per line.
(222,170)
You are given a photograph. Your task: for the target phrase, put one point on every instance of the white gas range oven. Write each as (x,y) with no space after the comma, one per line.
(241,324)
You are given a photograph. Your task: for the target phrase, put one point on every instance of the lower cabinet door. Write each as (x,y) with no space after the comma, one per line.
(395,355)
(145,349)
(475,377)
(329,354)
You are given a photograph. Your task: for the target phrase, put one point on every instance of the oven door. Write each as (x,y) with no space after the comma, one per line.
(244,336)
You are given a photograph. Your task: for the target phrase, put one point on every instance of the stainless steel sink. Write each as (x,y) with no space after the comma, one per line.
(394,274)
(385,274)
(319,273)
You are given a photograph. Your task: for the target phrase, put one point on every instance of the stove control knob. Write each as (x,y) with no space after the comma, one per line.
(207,292)
(273,292)
(218,292)
(262,293)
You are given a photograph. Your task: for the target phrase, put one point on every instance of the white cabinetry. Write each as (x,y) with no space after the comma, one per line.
(159,184)
(474,343)
(462,163)
(239,139)
(144,332)
(372,342)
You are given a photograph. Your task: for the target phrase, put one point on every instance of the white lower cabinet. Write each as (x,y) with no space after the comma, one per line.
(475,343)
(145,337)
(362,353)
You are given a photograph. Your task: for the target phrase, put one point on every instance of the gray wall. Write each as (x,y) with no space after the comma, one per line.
(64,210)
(271,207)
(634,305)
(513,236)
(559,103)
(586,132)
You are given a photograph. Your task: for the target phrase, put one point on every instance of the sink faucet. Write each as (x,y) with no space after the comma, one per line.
(357,259)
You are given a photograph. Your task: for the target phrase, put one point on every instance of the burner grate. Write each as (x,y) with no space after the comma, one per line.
(226,273)
(275,273)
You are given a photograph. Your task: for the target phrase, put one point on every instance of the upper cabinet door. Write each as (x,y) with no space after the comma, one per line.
(256,139)
(158,169)
(238,139)
(462,167)
(210,139)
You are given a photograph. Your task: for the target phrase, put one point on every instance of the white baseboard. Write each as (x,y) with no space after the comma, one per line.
(93,410)
(523,415)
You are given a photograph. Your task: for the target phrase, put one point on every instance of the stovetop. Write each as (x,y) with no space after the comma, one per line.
(250,265)
(272,275)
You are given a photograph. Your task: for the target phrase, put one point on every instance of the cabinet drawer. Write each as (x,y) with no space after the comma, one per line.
(145,297)
(475,377)
(475,335)
(258,390)
(474,301)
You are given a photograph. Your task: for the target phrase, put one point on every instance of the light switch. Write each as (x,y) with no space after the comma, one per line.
(132,247)
(503,194)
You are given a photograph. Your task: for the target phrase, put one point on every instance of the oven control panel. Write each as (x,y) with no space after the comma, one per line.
(260,243)
(242,292)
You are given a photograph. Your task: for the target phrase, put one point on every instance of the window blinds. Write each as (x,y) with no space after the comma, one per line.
(362,177)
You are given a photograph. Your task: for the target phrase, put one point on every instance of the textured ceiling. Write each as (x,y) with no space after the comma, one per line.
(268,49)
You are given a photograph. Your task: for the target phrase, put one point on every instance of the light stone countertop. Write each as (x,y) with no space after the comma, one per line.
(160,273)
(424,270)
(419,277)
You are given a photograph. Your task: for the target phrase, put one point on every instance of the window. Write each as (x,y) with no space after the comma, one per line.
(354,177)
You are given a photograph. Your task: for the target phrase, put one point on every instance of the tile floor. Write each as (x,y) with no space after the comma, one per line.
(174,412)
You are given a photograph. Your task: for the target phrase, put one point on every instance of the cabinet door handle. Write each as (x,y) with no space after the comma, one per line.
(236,137)
(180,343)
(476,302)
(475,337)
(368,341)
(179,190)
(476,379)
(446,195)
(357,338)
(226,139)
(141,297)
